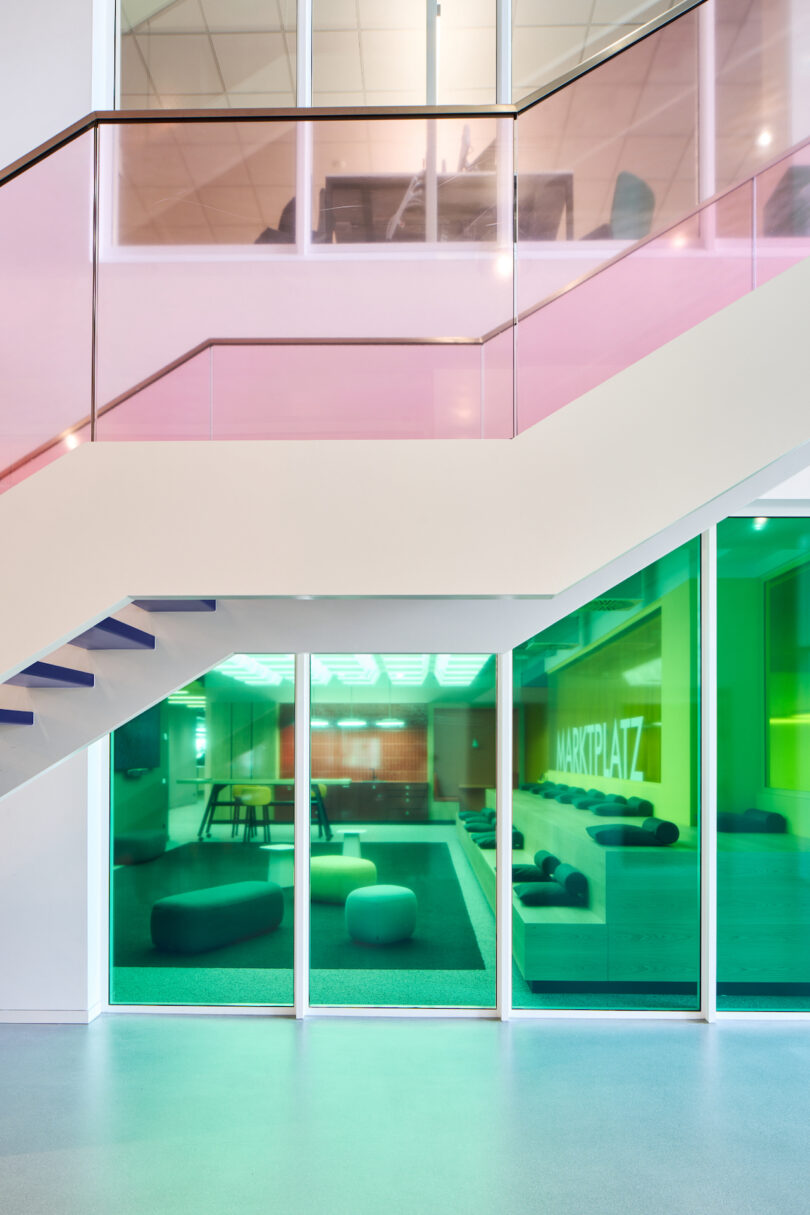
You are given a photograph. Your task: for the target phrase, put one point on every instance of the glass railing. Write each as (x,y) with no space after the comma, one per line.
(661,287)
(296,275)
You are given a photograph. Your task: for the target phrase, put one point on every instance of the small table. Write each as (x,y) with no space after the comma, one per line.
(351,840)
(281,863)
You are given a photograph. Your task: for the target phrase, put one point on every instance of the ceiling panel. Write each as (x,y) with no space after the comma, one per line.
(254,63)
(183,17)
(180,63)
(543,52)
(467,63)
(394,61)
(336,61)
(244,16)
(391,14)
(334,15)
(551,12)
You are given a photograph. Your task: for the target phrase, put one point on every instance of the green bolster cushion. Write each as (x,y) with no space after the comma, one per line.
(488,840)
(528,873)
(207,919)
(596,793)
(585,803)
(752,821)
(606,808)
(652,833)
(640,805)
(544,894)
(546,862)
(572,881)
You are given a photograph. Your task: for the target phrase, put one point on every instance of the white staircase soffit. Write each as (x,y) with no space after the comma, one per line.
(672,442)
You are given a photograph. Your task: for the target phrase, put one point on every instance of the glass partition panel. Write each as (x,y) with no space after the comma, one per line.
(46,293)
(783,215)
(762,85)
(403,895)
(606,884)
(633,306)
(606,161)
(551,37)
(269,322)
(202,841)
(763,776)
(207,54)
(466,52)
(368,53)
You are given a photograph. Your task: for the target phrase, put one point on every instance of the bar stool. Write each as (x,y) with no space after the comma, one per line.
(252,797)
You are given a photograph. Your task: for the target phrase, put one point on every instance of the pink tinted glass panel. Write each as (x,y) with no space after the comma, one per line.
(46,249)
(201,239)
(607,161)
(345,392)
(783,215)
(632,307)
(175,406)
(762,85)
(497,369)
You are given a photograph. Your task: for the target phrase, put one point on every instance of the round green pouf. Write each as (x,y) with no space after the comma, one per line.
(381,915)
(332,878)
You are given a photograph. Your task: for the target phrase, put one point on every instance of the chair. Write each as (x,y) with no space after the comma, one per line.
(252,797)
(787,211)
(631,212)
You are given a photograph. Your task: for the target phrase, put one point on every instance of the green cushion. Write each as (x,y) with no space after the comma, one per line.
(206,919)
(134,847)
(332,878)
(381,915)
(544,894)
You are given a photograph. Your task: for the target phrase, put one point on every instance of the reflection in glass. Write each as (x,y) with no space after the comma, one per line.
(368,53)
(763,794)
(207,54)
(606,910)
(403,896)
(202,842)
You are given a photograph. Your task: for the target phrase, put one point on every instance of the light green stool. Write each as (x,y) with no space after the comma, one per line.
(381,915)
(332,878)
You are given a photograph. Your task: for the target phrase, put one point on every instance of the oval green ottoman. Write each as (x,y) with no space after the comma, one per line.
(219,915)
(332,878)
(381,915)
(135,847)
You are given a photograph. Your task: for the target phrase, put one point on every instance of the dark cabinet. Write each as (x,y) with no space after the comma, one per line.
(377,802)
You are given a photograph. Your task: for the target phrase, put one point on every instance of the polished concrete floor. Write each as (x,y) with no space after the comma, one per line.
(162,1115)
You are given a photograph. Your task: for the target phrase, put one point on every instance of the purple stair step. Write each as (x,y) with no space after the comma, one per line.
(176,605)
(50,675)
(112,634)
(16,717)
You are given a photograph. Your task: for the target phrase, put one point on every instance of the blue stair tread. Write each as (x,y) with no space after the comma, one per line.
(112,634)
(50,675)
(176,605)
(16,717)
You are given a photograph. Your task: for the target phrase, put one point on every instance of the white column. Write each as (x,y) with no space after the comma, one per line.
(707,102)
(303,812)
(708,774)
(503,52)
(503,806)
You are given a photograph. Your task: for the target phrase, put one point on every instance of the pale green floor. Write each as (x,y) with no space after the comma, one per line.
(139,1115)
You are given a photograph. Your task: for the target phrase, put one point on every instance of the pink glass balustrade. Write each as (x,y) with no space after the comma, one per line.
(46,291)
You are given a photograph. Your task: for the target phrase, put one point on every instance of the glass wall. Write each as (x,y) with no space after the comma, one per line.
(606,871)
(207,54)
(202,842)
(763,795)
(403,895)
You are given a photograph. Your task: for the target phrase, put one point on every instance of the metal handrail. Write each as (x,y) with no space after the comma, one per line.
(98,118)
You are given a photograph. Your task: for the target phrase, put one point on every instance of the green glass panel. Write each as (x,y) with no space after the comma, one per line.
(763,753)
(606,902)
(201,889)
(403,896)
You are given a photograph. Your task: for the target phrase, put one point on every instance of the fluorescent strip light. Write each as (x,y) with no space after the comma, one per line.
(390,723)
(352,723)
(407,669)
(319,723)
(458,670)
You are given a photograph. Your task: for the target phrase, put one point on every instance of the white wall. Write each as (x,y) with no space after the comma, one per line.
(50,893)
(46,51)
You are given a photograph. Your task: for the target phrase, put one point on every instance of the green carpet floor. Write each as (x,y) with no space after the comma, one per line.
(444,938)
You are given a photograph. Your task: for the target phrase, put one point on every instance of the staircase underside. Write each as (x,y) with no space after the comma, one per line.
(533,516)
